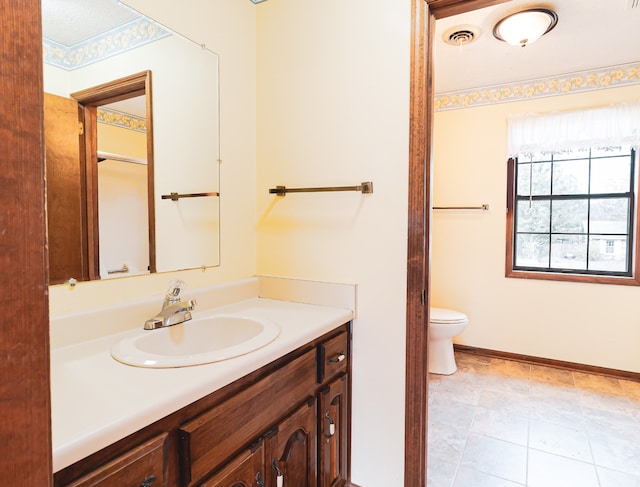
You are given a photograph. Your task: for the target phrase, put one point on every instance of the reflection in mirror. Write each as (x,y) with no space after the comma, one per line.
(122,189)
(88,43)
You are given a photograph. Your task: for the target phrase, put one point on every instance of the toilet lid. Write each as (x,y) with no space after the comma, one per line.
(446,316)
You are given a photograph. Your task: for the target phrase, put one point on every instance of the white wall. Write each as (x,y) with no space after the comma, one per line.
(592,324)
(333,109)
(229,29)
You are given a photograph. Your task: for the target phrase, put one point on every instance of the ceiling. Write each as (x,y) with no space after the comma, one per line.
(590,34)
(70,22)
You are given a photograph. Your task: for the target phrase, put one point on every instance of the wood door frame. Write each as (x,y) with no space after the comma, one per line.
(25,422)
(423,16)
(89,100)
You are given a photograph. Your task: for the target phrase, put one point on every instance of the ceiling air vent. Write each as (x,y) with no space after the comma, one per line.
(462,35)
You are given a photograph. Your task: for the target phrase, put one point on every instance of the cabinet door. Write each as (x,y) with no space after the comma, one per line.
(245,470)
(333,431)
(292,449)
(143,466)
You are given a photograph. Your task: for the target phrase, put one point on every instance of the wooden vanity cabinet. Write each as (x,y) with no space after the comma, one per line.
(284,425)
(245,470)
(142,466)
(333,431)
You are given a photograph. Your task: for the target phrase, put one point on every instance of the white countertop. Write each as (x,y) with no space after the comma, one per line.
(97,400)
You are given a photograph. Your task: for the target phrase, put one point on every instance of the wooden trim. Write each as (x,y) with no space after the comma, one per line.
(151,205)
(511,174)
(447,8)
(568,277)
(90,165)
(89,99)
(417,334)
(558,364)
(423,15)
(112,91)
(25,424)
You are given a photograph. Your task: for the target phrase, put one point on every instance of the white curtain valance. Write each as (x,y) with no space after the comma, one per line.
(573,130)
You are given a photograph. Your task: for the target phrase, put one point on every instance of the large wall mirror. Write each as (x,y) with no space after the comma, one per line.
(132,135)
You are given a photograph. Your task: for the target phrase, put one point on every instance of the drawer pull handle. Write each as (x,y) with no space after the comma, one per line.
(148,481)
(279,476)
(332,425)
(259,481)
(338,358)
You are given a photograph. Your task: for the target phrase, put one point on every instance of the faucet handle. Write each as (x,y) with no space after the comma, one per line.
(175,288)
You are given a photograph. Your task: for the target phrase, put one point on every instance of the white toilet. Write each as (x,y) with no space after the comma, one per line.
(444,324)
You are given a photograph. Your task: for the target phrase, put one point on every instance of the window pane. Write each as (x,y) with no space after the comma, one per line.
(571,177)
(541,183)
(611,175)
(608,253)
(609,216)
(532,251)
(569,252)
(534,218)
(569,216)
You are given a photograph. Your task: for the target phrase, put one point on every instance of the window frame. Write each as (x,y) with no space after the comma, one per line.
(510,272)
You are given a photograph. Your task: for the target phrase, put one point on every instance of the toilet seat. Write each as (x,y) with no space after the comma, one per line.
(444,316)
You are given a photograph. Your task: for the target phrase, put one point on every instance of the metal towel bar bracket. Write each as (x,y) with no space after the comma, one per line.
(176,196)
(484,206)
(366,187)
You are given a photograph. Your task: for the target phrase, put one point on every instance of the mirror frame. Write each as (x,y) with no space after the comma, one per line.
(89,100)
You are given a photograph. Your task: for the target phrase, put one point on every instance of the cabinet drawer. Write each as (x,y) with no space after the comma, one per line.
(333,357)
(144,465)
(211,438)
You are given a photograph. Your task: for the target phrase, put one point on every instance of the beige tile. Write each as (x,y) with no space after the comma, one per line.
(553,375)
(622,454)
(598,383)
(607,402)
(562,440)
(446,443)
(631,389)
(556,404)
(500,383)
(515,402)
(547,470)
(496,457)
(440,473)
(602,422)
(468,477)
(509,368)
(458,391)
(501,425)
(612,478)
(451,412)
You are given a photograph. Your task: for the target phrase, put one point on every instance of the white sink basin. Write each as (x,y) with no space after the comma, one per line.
(195,342)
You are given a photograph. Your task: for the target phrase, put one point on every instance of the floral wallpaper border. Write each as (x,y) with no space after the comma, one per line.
(128,36)
(598,79)
(122,120)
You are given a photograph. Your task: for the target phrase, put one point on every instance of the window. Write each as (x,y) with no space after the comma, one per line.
(572,215)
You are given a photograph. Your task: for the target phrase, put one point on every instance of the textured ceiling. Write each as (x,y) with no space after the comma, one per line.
(70,22)
(590,34)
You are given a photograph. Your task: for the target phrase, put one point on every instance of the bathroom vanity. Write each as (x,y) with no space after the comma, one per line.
(278,416)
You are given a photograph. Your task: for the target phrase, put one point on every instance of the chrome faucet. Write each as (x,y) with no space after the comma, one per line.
(174,310)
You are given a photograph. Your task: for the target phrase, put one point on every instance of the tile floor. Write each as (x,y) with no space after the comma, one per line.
(498,423)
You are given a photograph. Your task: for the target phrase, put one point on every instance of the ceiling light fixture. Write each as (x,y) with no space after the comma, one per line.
(526,26)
